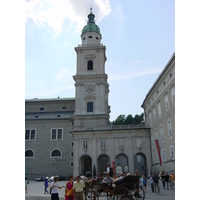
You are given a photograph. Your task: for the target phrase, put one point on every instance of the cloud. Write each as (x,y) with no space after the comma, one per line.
(134,69)
(54,13)
(63,73)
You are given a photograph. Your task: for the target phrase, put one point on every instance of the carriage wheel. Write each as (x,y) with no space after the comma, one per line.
(123,194)
(94,195)
(139,194)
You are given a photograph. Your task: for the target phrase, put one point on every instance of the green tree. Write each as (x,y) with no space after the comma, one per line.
(129,119)
(120,120)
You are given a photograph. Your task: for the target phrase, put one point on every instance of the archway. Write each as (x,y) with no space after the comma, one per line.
(140,163)
(121,162)
(86,165)
(102,163)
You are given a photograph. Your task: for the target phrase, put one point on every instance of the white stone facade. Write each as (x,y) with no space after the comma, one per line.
(159,109)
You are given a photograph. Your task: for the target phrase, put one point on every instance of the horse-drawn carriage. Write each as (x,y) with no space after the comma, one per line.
(123,189)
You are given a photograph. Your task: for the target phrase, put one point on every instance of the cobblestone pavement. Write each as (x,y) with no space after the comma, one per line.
(36,192)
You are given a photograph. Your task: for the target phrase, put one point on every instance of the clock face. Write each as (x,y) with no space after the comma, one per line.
(90,89)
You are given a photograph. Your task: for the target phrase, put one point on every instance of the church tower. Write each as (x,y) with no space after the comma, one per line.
(91,97)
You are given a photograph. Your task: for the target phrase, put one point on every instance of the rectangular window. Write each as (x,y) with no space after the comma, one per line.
(161,133)
(103,144)
(139,158)
(30,134)
(71,164)
(59,134)
(163,155)
(27,134)
(56,134)
(159,109)
(85,144)
(154,114)
(166,102)
(171,151)
(169,128)
(89,106)
(121,143)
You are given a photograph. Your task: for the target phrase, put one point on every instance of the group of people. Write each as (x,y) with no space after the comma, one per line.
(73,189)
(164,178)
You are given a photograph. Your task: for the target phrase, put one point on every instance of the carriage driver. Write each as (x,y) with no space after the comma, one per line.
(108,180)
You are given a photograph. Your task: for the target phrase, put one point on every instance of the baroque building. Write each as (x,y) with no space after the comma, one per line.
(159,110)
(97,143)
(67,136)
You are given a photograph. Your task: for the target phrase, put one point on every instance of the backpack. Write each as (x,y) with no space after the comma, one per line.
(111,172)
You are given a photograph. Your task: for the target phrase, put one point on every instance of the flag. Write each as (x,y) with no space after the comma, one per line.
(158,149)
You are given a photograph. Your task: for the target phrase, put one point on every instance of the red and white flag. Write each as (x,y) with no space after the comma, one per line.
(158,149)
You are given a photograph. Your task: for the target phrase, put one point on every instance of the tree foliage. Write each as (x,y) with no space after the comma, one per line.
(122,119)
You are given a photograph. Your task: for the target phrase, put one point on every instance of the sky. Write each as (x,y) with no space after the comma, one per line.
(139,37)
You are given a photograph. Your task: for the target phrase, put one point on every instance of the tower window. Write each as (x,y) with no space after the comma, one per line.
(90,65)
(97,38)
(89,106)
(90,37)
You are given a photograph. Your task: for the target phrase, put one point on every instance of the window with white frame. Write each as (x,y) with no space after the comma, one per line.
(172,152)
(103,144)
(56,134)
(159,109)
(163,155)
(29,153)
(121,143)
(161,133)
(85,144)
(169,128)
(154,114)
(30,134)
(56,153)
(166,102)
(173,94)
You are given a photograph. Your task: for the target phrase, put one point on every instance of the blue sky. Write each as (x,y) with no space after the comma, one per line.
(139,37)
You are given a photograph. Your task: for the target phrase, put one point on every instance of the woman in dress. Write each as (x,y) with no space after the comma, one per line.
(69,193)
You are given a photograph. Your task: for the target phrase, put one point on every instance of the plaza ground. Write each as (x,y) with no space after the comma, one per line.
(36,192)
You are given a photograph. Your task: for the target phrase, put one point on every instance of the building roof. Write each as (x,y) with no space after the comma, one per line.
(50,99)
(91,26)
(159,77)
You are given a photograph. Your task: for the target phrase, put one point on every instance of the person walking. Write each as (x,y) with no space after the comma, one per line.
(172,178)
(78,188)
(151,183)
(156,183)
(163,179)
(69,192)
(167,180)
(46,185)
(144,183)
(54,188)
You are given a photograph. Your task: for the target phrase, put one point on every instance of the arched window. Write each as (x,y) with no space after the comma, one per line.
(56,153)
(90,65)
(29,153)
